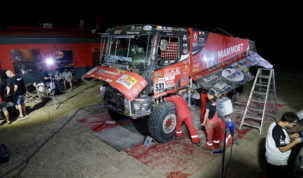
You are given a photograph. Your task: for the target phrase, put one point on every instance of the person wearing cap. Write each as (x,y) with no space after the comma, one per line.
(212,122)
(183,114)
(279,144)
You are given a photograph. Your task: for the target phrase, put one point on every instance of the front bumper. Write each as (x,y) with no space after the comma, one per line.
(116,101)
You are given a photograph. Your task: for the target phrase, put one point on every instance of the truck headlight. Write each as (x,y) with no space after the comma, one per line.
(141,105)
(137,106)
(126,106)
(102,91)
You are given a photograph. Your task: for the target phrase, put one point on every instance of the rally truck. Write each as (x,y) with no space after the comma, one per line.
(142,64)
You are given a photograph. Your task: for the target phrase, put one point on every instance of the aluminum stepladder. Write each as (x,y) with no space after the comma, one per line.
(258,104)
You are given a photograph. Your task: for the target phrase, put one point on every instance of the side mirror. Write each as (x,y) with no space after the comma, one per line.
(163,45)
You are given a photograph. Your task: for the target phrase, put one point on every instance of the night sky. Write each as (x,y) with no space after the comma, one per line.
(275,28)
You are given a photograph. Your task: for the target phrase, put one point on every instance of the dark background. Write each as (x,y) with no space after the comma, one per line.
(275,28)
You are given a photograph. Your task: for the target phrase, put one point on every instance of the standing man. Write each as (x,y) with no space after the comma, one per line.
(279,143)
(183,114)
(19,90)
(3,105)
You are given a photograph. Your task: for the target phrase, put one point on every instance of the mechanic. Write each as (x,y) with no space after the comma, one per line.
(183,114)
(212,122)
(214,125)
(279,143)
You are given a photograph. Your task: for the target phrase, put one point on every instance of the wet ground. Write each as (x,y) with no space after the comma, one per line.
(51,142)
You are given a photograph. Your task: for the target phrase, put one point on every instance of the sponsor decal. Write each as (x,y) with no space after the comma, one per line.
(169,84)
(100,71)
(118,58)
(195,41)
(195,37)
(210,78)
(167,29)
(185,68)
(158,74)
(170,74)
(185,78)
(127,81)
(230,51)
(233,75)
(110,72)
(175,71)
(118,31)
(147,27)
(184,38)
(133,33)
(221,86)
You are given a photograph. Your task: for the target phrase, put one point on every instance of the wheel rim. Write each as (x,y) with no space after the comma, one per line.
(169,123)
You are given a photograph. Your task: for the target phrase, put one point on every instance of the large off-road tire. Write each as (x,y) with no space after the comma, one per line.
(162,122)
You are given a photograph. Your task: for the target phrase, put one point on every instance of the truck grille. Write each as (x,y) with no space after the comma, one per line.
(114,99)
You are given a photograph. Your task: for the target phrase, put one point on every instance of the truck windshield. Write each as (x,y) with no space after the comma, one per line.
(130,50)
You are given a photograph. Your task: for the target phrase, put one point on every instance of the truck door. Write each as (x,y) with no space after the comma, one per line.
(172,69)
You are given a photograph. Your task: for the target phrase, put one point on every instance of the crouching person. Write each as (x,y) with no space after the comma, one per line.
(183,114)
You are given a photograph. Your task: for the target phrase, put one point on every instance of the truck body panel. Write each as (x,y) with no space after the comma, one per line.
(128,83)
(210,49)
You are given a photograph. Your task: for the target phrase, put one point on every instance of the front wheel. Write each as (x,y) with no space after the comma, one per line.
(162,122)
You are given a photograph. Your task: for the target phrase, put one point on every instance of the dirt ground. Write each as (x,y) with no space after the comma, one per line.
(51,143)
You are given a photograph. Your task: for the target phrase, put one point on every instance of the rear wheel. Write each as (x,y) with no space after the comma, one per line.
(162,122)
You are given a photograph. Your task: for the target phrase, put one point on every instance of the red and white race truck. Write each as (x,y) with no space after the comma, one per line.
(142,64)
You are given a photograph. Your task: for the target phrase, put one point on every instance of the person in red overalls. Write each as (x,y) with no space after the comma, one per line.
(212,122)
(203,97)
(183,114)
(214,125)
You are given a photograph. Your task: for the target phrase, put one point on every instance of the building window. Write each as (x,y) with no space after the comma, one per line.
(26,60)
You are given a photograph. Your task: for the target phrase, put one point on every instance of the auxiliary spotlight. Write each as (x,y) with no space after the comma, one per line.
(49,61)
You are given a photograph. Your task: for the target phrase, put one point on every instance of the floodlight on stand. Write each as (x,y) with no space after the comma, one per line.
(49,61)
